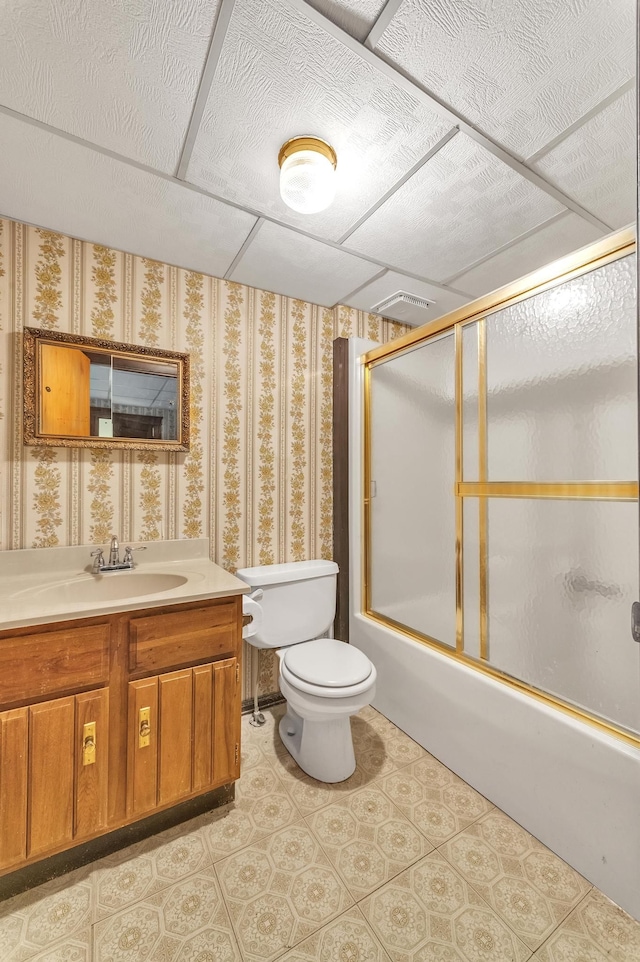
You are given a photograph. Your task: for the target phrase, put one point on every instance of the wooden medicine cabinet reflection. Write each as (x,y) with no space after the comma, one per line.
(93,393)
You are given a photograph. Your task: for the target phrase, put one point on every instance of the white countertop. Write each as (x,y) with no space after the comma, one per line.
(43,585)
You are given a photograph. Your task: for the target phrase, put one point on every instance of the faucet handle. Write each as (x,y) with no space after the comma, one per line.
(99,556)
(128,551)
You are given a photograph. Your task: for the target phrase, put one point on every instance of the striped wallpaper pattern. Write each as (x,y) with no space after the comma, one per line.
(258,478)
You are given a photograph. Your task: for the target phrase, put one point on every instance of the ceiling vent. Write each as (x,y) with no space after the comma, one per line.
(405,307)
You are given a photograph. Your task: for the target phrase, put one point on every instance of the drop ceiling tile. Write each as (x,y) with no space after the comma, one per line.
(357,17)
(283,261)
(121,75)
(456,209)
(56,183)
(391,282)
(567,233)
(522,72)
(596,164)
(280,75)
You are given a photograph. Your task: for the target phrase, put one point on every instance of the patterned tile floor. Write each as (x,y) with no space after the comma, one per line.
(404,862)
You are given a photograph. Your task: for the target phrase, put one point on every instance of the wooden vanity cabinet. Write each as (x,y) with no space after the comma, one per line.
(48,797)
(107,721)
(184,734)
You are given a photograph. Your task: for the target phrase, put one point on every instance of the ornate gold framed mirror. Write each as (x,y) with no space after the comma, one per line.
(92,393)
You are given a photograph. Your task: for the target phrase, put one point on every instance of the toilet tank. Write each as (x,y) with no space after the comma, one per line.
(298,601)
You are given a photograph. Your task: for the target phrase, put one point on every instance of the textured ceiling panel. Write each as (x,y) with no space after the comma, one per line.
(53,182)
(121,75)
(463,204)
(522,72)
(285,262)
(281,75)
(562,236)
(357,17)
(596,165)
(389,283)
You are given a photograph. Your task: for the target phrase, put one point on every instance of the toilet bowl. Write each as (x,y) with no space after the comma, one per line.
(324,680)
(316,729)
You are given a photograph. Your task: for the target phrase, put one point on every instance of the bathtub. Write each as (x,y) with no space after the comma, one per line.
(571,785)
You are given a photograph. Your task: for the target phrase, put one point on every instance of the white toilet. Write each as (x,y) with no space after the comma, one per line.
(324,680)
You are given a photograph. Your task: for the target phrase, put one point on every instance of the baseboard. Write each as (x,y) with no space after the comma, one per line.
(267,701)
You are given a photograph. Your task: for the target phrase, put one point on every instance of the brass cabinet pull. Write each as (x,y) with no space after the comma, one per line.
(144,727)
(89,743)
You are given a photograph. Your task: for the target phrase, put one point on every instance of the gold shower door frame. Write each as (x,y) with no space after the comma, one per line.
(479,312)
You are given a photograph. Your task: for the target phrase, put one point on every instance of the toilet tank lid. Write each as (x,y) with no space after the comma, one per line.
(280,574)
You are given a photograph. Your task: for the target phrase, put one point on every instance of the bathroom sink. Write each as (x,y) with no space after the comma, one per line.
(115,586)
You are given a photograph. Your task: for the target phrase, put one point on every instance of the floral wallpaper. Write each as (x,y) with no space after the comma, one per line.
(258,478)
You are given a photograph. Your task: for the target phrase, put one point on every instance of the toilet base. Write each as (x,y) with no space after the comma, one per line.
(322,749)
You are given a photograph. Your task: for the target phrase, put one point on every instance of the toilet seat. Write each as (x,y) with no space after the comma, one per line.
(327,668)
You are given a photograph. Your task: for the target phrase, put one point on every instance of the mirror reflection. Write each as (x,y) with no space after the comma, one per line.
(132,399)
(85,392)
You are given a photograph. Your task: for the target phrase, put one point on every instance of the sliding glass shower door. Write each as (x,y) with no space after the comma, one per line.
(413,506)
(502,484)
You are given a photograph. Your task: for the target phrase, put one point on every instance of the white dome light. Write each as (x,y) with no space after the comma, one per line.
(307,174)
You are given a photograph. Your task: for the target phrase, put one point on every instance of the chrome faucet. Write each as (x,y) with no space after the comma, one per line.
(114,551)
(114,563)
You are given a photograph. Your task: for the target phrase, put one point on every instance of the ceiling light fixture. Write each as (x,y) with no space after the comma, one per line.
(307,174)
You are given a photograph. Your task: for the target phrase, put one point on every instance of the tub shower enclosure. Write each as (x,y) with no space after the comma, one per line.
(499,523)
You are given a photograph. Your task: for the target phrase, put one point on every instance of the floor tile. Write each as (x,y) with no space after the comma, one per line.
(279,891)
(307,793)
(596,930)
(371,720)
(262,806)
(170,926)
(438,802)
(347,939)
(251,754)
(148,867)
(367,839)
(45,918)
(382,748)
(75,949)
(265,738)
(430,913)
(528,886)
(372,760)
(370,730)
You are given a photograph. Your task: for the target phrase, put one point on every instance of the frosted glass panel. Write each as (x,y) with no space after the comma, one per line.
(562,578)
(413,469)
(471,577)
(470,402)
(561,382)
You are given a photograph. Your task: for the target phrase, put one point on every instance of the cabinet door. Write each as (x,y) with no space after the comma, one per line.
(51,758)
(65,375)
(92,722)
(193,743)
(14,729)
(142,754)
(202,727)
(226,721)
(176,735)
(216,724)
